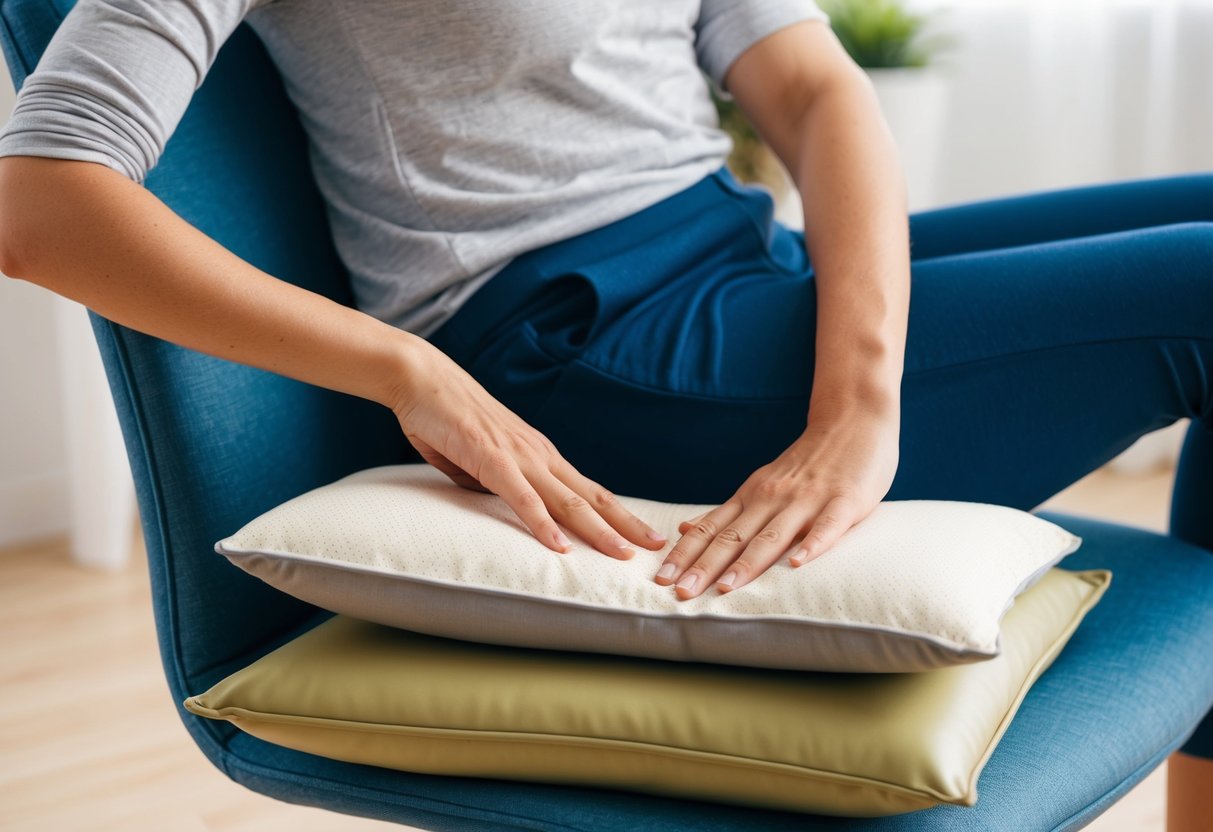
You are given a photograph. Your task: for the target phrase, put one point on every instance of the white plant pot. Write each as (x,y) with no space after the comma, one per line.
(914,103)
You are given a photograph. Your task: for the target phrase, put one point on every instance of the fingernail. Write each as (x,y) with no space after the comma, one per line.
(561,540)
(666,572)
(727,580)
(688,582)
(799,557)
(620,543)
(653,535)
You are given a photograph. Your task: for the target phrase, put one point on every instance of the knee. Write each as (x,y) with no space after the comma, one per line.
(1188,241)
(1178,260)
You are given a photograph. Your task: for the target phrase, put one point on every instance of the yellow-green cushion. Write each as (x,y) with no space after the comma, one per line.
(847,744)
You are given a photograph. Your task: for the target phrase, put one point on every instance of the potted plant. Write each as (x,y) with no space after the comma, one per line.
(894,45)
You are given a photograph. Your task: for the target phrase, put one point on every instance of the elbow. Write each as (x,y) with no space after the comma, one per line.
(8,267)
(10,264)
(35,196)
(49,209)
(14,218)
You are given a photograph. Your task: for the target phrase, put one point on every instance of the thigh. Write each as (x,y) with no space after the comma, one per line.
(1026,368)
(1060,214)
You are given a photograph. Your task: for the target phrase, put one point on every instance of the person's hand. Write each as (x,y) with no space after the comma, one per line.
(831,478)
(463,431)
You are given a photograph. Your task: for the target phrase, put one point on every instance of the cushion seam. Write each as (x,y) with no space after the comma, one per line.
(711,757)
(320,563)
(1098,586)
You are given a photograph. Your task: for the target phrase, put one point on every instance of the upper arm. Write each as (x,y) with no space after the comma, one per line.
(116,79)
(776,79)
(726,29)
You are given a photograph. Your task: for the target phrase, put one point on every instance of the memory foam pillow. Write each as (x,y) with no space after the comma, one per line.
(917,584)
(834,743)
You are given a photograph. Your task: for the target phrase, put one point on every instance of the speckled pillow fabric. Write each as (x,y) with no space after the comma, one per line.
(915,585)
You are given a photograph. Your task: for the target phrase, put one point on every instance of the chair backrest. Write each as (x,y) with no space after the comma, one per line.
(213,444)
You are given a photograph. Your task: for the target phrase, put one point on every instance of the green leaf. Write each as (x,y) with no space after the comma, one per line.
(881,33)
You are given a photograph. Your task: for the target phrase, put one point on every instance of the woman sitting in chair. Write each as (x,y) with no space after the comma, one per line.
(562,294)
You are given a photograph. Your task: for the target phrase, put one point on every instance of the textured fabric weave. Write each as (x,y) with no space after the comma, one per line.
(446,137)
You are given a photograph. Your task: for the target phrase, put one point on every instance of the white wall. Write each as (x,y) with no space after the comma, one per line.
(33,481)
(1048,94)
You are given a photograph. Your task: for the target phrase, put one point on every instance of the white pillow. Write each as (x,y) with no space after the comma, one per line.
(915,585)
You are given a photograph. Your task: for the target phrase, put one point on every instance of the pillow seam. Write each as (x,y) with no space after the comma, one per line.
(956,648)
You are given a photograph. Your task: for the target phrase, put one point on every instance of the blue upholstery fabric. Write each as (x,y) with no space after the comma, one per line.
(1126,691)
(212,444)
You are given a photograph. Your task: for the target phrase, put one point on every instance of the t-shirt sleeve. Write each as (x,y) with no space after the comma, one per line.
(116,79)
(727,28)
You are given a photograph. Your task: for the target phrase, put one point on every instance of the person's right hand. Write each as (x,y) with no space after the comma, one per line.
(463,431)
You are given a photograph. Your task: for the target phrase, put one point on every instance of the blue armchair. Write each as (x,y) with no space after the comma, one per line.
(213,444)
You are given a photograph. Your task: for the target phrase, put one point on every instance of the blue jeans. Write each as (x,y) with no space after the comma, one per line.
(670,354)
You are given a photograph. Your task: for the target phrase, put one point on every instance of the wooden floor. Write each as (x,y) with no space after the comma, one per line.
(89,740)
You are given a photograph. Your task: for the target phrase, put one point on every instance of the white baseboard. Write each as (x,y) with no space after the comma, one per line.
(33,507)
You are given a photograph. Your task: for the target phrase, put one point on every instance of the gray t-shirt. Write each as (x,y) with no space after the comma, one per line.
(446,137)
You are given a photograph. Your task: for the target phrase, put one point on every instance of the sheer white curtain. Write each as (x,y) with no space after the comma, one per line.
(1051,93)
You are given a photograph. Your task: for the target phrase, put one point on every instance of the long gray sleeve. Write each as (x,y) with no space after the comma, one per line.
(116,79)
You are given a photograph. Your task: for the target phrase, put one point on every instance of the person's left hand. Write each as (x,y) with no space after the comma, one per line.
(831,478)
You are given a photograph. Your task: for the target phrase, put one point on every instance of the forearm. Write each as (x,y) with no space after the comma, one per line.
(847,173)
(818,112)
(90,234)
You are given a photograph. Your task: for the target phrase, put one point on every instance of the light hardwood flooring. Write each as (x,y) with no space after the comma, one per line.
(89,740)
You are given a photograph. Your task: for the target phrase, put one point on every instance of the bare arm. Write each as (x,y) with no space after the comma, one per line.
(91,234)
(818,112)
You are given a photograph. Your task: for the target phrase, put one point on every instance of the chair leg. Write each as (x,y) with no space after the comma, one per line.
(1189,786)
